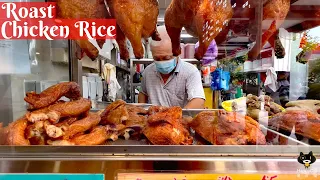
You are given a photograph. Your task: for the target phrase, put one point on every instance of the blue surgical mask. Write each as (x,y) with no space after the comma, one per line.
(166,67)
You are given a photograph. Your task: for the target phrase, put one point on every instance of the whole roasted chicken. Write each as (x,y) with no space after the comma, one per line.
(83,9)
(166,128)
(136,19)
(227,128)
(204,19)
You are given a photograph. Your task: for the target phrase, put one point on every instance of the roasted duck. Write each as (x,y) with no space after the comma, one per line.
(227,128)
(166,128)
(51,95)
(83,9)
(136,19)
(60,110)
(204,19)
(305,123)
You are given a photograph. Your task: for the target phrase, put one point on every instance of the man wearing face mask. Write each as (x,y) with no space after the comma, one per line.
(169,81)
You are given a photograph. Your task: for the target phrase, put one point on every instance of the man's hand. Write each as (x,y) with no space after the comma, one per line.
(196,103)
(142,98)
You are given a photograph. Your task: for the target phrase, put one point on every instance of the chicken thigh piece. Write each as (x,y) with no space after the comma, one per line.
(115,113)
(166,128)
(227,128)
(136,19)
(204,19)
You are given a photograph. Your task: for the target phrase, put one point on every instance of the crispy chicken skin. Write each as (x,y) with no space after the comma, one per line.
(97,136)
(305,123)
(82,125)
(49,96)
(60,110)
(137,116)
(16,133)
(4,133)
(204,19)
(115,113)
(83,9)
(227,128)
(136,19)
(155,109)
(165,128)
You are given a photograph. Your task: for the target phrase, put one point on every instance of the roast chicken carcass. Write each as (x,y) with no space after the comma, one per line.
(227,128)
(136,19)
(51,95)
(204,19)
(305,123)
(166,128)
(60,110)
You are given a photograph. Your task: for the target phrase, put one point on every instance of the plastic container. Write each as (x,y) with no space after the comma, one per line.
(182,55)
(189,51)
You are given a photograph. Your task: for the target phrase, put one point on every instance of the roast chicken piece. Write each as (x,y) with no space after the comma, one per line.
(4,133)
(60,110)
(305,123)
(227,128)
(136,19)
(36,133)
(16,133)
(137,117)
(204,19)
(99,135)
(165,128)
(83,9)
(307,105)
(156,109)
(115,113)
(49,96)
(82,125)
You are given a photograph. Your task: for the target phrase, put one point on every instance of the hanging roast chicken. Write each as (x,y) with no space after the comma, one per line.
(136,19)
(83,9)
(204,19)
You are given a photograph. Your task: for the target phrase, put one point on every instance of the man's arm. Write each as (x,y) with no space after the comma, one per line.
(195,91)
(142,98)
(196,103)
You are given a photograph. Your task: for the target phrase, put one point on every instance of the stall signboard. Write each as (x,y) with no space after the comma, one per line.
(27,176)
(165,176)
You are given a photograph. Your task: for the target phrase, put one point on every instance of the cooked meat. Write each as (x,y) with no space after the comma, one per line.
(83,9)
(82,125)
(136,19)
(307,105)
(16,133)
(52,94)
(97,136)
(204,19)
(165,128)
(4,133)
(305,123)
(115,113)
(227,128)
(36,133)
(155,109)
(60,110)
(136,117)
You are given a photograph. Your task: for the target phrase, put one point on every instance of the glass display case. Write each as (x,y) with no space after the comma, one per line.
(264,125)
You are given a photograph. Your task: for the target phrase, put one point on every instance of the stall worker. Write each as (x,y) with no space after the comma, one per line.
(169,81)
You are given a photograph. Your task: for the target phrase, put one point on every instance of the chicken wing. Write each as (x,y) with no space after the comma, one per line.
(204,19)
(136,19)
(97,136)
(49,96)
(165,128)
(83,9)
(16,133)
(82,125)
(115,113)
(227,128)
(60,110)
